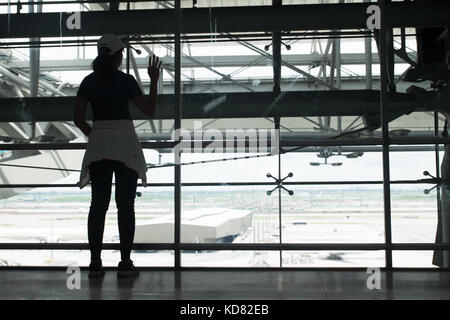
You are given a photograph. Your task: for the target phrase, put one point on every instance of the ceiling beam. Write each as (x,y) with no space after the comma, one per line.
(227,19)
(239,105)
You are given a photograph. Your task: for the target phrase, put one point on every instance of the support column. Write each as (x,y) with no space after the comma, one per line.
(34,57)
(337,49)
(34,67)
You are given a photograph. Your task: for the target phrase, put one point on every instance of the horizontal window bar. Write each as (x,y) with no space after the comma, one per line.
(364,142)
(74,146)
(230,246)
(200,38)
(35,2)
(229,184)
(407,141)
(283,143)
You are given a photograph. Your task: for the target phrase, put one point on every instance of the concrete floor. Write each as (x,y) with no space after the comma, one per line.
(226,285)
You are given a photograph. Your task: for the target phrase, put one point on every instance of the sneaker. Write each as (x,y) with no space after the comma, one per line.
(96,269)
(127,269)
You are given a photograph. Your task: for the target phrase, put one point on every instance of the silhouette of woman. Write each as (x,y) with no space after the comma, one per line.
(113,146)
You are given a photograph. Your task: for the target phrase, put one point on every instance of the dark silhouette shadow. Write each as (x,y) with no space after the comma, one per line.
(96,288)
(125,287)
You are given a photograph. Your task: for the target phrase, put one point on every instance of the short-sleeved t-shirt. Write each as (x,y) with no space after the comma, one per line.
(109,97)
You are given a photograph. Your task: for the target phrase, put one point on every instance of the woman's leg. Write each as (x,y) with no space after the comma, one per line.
(126,184)
(101,181)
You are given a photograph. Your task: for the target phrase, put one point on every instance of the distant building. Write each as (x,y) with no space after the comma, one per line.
(205,225)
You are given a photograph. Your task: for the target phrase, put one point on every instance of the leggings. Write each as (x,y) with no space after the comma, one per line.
(101,181)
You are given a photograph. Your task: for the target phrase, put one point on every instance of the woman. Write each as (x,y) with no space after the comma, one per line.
(113,146)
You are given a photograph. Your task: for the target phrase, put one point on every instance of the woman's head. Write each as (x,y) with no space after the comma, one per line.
(109,48)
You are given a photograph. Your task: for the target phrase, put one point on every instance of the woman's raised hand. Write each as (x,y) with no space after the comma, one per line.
(153,68)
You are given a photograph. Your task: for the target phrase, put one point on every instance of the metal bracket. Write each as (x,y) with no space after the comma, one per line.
(280,184)
(288,47)
(434,180)
(267,47)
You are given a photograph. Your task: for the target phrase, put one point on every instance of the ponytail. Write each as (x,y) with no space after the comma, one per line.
(104,64)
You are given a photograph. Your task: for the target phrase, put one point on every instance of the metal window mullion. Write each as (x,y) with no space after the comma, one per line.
(177,126)
(368,59)
(276,61)
(438,188)
(280,222)
(385,133)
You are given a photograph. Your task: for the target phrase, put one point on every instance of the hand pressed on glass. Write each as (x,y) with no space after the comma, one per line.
(154,64)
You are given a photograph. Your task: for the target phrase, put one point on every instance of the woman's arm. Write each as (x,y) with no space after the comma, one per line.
(147,104)
(80,112)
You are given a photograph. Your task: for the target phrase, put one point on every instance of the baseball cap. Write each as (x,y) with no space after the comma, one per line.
(110,41)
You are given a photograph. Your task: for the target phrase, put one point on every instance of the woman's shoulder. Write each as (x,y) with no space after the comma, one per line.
(120,73)
(89,76)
